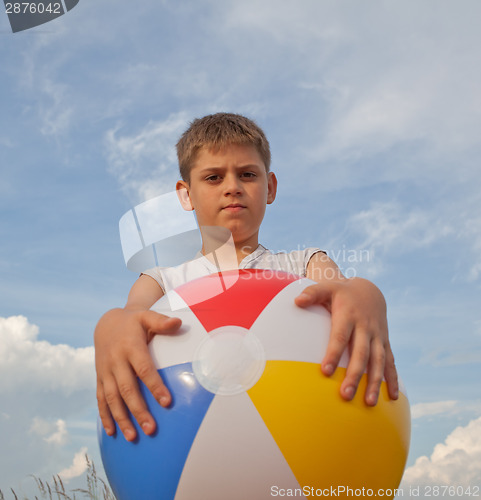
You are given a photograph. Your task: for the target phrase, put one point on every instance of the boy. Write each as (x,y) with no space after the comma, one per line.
(224,161)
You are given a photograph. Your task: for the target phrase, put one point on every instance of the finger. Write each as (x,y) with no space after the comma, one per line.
(104,412)
(390,374)
(145,369)
(154,323)
(357,364)
(118,409)
(375,372)
(314,294)
(341,331)
(129,391)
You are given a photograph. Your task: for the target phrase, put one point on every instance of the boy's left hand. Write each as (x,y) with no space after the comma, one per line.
(358,315)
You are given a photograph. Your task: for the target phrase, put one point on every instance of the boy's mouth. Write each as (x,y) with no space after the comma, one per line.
(234,207)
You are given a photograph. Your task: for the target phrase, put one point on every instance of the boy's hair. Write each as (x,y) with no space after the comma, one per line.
(215,132)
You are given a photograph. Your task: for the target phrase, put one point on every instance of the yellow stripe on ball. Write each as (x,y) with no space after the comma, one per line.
(327,441)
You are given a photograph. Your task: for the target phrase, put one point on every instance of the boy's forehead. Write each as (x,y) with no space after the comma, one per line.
(232,154)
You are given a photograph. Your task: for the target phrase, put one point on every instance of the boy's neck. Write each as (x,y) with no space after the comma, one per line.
(243,251)
(223,251)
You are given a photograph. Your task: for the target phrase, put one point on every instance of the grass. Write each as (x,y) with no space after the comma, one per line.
(97,488)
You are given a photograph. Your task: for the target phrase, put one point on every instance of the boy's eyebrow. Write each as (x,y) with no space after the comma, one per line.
(214,168)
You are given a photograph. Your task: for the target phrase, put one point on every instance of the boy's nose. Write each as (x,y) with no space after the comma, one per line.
(232,185)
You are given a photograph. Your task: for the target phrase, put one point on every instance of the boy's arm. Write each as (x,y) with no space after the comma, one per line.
(122,355)
(358,312)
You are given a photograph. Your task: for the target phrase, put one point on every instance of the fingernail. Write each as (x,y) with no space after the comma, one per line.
(372,398)
(164,400)
(349,392)
(328,370)
(129,434)
(146,427)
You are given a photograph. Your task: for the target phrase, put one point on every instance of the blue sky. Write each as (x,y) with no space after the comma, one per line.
(373,111)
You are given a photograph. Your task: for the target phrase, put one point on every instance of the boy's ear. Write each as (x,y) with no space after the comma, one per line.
(271,187)
(182,189)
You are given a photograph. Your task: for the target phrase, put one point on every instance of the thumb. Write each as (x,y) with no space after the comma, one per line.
(314,294)
(155,323)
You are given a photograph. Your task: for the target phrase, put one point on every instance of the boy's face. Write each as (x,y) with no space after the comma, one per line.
(230,188)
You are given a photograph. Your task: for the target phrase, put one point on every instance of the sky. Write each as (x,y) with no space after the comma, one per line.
(373,112)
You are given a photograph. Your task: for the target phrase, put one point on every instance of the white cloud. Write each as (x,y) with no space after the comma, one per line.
(387,228)
(388,225)
(51,432)
(78,467)
(59,436)
(40,76)
(420,410)
(26,362)
(145,163)
(397,82)
(384,229)
(55,108)
(457,461)
(43,387)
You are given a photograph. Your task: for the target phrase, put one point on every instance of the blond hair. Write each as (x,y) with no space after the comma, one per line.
(215,132)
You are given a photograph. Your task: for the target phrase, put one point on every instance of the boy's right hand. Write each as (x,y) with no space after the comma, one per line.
(121,355)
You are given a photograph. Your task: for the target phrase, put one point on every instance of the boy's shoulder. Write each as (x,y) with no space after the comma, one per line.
(293,261)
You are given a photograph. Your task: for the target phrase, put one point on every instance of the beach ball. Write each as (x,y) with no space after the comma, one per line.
(252,415)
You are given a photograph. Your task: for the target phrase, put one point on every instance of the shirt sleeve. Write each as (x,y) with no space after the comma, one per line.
(156,274)
(298,260)
(308,254)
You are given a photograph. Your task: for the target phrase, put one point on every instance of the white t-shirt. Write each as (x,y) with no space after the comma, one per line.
(294,262)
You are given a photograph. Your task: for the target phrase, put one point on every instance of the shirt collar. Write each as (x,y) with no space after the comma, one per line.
(243,263)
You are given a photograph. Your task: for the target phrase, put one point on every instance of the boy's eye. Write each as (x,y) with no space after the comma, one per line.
(218,178)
